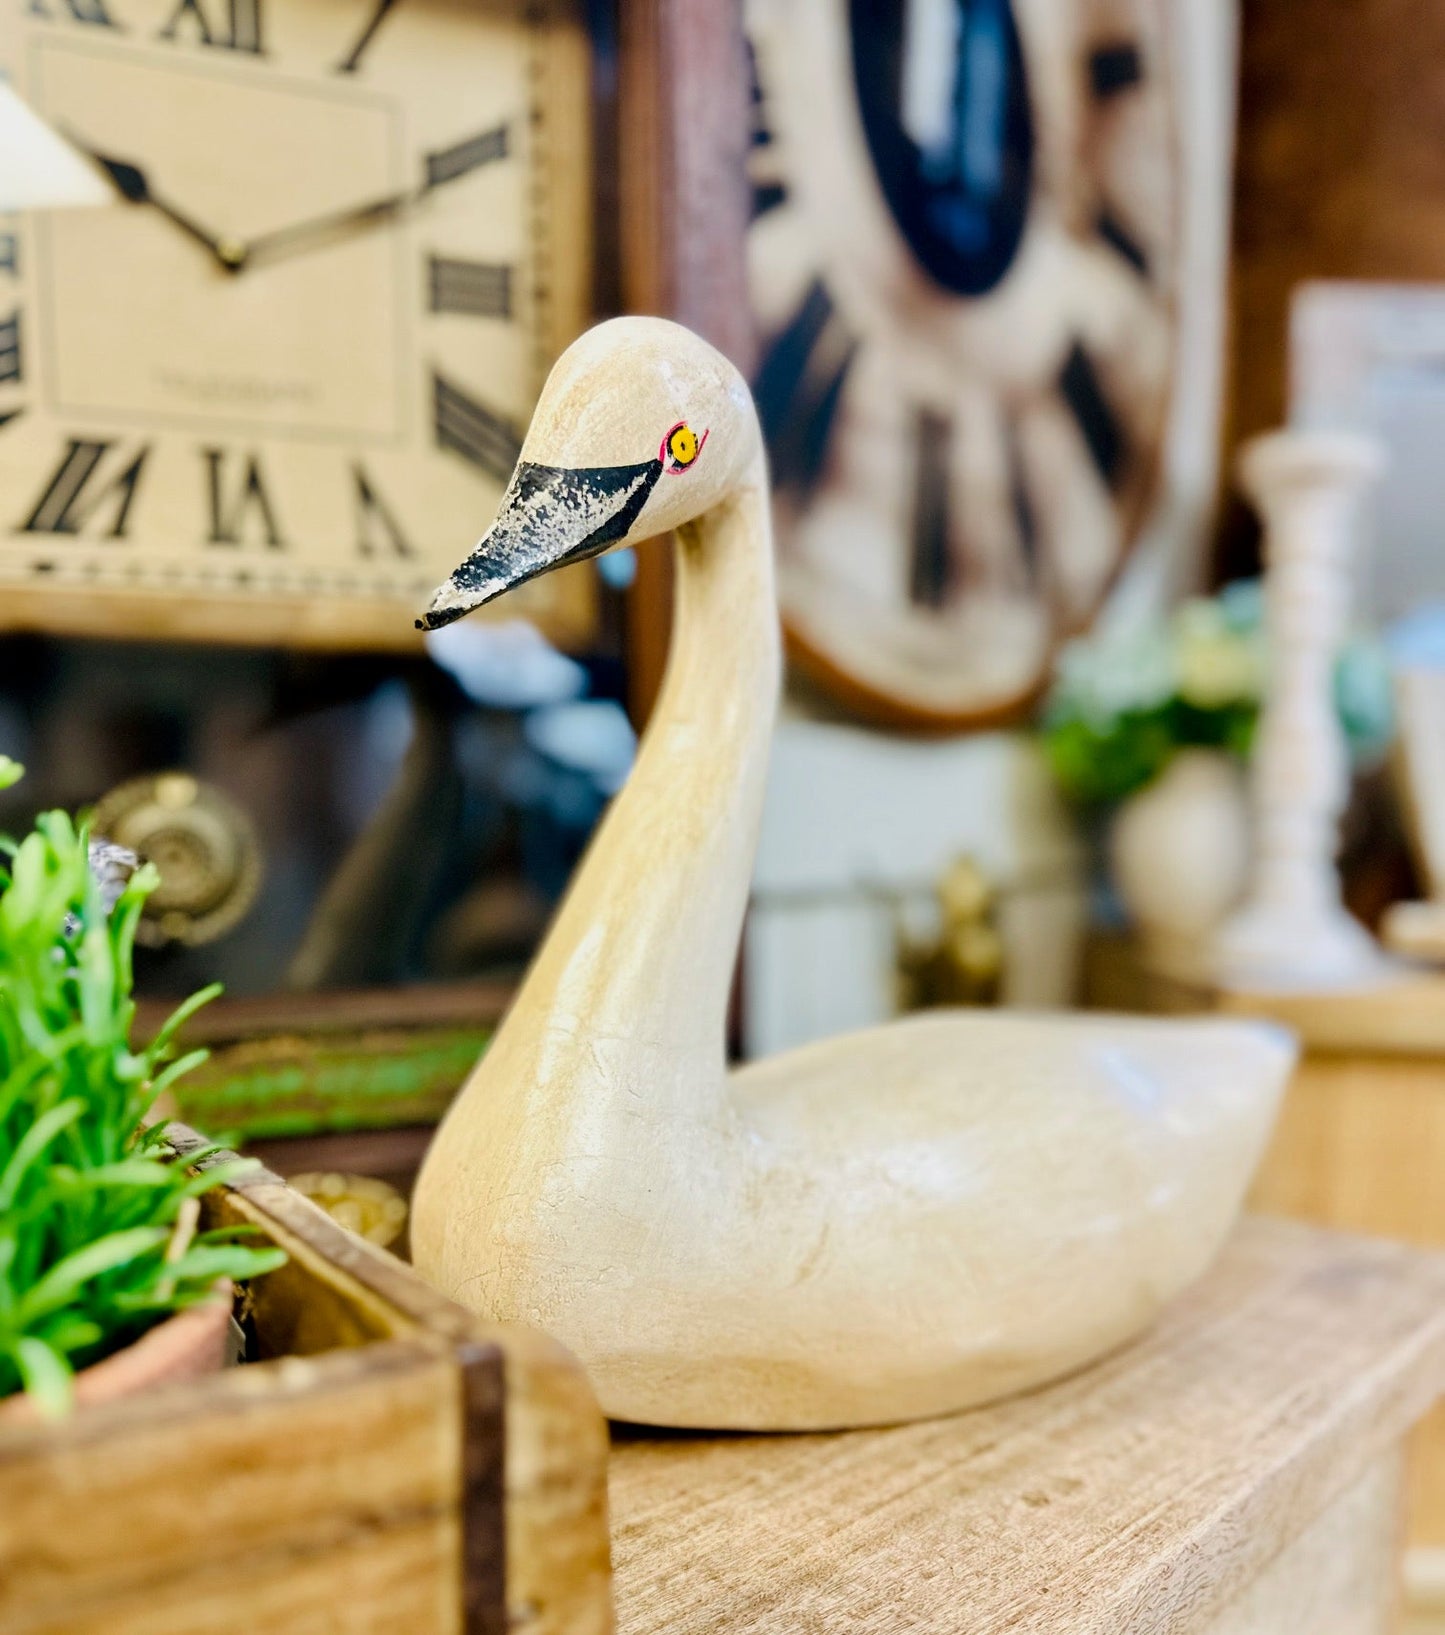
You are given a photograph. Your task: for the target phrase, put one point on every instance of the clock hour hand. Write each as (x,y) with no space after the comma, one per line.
(133,185)
(442,166)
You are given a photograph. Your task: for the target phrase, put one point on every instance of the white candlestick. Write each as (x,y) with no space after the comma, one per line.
(1293,930)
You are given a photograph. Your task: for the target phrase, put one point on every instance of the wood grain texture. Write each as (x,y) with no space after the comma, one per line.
(395,1465)
(568,619)
(1341,1576)
(1360,1145)
(1146,1494)
(1340,172)
(245,1473)
(262,1016)
(554,1470)
(1360,1141)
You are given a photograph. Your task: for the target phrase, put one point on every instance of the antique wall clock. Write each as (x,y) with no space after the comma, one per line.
(271,393)
(969,224)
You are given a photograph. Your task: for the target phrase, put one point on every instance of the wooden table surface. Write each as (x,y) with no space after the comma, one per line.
(1144,1494)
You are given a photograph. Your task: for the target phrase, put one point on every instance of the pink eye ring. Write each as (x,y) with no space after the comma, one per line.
(680,448)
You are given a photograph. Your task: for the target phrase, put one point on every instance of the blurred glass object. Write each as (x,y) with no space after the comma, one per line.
(1418,639)
(618,569)
(593,737)
(509,666)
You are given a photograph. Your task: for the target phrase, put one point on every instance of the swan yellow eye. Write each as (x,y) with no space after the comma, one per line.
(682,446)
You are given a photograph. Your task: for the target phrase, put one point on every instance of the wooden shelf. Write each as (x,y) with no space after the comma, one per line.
(1403,1016)
(1238,1469)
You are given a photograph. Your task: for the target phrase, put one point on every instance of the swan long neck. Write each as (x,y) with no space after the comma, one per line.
(632,982)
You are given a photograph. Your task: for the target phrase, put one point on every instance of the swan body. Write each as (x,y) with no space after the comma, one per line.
(896,1223)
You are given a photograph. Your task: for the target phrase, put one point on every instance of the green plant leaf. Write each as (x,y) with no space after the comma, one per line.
(89,1193)
(34,1142)
(182,1014)
(45,1374)
(66,1278)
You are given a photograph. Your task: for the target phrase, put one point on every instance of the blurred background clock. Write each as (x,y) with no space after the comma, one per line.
(966,262)
(274,392)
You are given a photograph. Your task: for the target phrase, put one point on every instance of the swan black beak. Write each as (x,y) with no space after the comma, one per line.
(549,516)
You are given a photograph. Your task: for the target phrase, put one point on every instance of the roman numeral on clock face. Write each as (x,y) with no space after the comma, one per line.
(79,489)
(249,510)
(473,431)
(476,289)
(768,196)
(9,253)
(352,60)
(1119,239)
(10,349)
(1114,68)
(447,164)
(930,569)
(1098,424)
(799,386)
(377,530)
(239,31)
(1026,521)
(80,11)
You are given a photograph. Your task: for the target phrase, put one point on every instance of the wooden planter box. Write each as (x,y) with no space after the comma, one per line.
(388,1462)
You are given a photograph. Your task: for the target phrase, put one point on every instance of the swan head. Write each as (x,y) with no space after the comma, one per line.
(641,427)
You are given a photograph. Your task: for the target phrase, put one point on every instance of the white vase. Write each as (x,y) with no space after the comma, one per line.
(1179,854)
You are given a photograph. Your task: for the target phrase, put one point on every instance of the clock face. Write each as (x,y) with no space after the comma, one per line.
(275,391)
(963,260)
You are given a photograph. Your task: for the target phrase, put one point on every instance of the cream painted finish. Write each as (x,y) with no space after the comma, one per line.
(885,1226)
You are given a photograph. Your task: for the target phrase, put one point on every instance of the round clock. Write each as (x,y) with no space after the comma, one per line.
(274,390)
(963,259)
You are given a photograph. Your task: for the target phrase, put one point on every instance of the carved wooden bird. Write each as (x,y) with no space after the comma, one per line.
(891,1224)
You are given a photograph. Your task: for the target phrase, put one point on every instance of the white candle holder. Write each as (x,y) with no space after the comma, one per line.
(1293,930)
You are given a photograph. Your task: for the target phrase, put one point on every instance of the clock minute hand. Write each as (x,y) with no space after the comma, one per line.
(442,166)
(133,185)
(319,230)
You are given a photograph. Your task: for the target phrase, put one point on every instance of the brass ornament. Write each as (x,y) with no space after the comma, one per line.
(203,845)
(362,1204)
(964,963)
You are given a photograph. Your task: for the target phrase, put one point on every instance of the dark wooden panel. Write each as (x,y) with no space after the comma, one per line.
(684,127)
(1340,172)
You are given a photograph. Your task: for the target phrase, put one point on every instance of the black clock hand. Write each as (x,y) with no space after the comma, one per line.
(319,230)
(131,182)
(443,166)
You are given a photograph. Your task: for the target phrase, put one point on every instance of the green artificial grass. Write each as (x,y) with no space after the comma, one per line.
(92,1249)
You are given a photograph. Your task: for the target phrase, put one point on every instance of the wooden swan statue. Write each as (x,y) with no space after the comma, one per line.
(893,1224)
